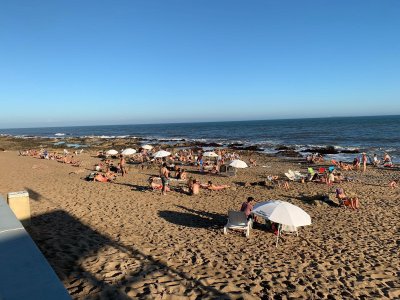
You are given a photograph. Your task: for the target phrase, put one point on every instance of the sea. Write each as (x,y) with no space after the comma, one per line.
(373,134)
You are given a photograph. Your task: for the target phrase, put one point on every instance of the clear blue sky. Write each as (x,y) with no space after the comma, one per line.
(81,62)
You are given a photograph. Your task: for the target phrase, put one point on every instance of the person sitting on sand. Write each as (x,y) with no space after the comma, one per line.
(356,163)
(394,183)
(182,174)
(194,188)
(376,161)
(247,208)
(331,178)
(215,169)
(353,202)
(110,175)
(387,161)
(253,162)
(212,187)
(156,186)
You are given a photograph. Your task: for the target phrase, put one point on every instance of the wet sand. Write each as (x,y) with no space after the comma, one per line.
(123,241)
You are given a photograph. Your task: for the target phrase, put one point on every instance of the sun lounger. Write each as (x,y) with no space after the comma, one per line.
(238,220)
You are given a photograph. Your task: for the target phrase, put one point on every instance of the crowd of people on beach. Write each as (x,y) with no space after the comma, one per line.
(172,168)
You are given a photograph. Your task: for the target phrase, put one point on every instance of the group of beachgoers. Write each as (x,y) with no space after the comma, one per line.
(193,185)
(172,169)
(66,157)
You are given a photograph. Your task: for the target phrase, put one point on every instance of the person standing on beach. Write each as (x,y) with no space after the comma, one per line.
(364,161)
(122,163)
(164,174)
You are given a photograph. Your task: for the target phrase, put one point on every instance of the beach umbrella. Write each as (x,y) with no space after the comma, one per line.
(161,153)
(128,151)
(210,154)
(238,164)
(112,152)
(283,213)
(147,147)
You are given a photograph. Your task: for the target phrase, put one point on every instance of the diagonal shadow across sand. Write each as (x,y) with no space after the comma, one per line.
(71,246)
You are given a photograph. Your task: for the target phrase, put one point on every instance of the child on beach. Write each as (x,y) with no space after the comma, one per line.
(394,183)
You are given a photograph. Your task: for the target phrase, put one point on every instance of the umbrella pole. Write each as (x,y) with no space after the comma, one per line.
(277,237)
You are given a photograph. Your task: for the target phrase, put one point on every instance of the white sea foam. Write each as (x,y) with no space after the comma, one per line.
(59,134)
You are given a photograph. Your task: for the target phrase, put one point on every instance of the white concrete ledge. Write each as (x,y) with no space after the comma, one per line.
(24,271)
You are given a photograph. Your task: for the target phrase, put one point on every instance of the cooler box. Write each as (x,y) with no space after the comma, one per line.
(19,204)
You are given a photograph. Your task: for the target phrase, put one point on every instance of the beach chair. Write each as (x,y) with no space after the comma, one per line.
(238,220)
(290,175)
(227,170)
(287,229)
(298,175)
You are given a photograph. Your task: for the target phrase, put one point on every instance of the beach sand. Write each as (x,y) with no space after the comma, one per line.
(122,241)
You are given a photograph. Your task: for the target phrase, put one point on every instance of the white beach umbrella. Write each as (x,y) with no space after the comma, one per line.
(283,213)
(147,147)
(112,152)
(210,154)
(161,153)
(128,151)
(239,164)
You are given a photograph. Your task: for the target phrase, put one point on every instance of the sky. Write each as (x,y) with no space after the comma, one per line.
(99,62)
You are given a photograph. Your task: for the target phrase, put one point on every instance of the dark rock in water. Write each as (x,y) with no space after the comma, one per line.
(171,140)
(2,149)
(252,148)
(249,148)
(350,151)
(235,145)
(288,153)
(325,150)
(281,147)
(207,144)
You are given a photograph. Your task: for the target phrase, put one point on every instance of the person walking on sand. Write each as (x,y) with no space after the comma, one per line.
(364,161)
(164,174)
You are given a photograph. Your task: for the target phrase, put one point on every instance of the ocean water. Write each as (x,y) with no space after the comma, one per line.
(377,134)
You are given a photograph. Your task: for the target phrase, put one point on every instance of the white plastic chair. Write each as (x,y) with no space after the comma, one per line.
(289,229)
(238,220)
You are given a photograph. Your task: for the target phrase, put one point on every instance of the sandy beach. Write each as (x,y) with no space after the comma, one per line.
(121,240)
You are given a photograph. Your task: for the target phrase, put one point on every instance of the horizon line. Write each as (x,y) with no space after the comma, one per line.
(200,122)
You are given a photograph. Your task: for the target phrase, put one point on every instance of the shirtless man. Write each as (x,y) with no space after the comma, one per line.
(195,187)
(364,161)
(164,174)
(122,163)
(213,187)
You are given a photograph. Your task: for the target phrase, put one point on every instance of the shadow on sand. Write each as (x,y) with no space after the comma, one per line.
(67,243)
